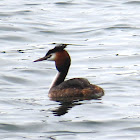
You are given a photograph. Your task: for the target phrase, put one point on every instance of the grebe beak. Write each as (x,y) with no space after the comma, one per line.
(41,59)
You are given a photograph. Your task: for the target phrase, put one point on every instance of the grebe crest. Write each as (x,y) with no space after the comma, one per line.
(76,87)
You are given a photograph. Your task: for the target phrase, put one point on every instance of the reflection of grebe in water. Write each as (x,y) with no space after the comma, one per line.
(76,87)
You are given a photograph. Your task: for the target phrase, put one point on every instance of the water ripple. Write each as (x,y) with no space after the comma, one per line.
(106,51)
(15,79)
(133,2)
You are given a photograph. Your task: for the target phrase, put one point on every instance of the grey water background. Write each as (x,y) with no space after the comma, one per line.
(106,34)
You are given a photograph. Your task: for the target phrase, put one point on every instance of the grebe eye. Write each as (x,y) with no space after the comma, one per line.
(50,56)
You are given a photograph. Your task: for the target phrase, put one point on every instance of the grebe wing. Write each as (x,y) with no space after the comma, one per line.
(78,83)
(76,87)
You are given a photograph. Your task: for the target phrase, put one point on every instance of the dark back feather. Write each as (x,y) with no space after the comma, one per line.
(78,83)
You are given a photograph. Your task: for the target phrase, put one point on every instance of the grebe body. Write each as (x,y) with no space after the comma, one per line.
(76,87)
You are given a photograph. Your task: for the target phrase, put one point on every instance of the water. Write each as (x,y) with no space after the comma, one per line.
(107,35)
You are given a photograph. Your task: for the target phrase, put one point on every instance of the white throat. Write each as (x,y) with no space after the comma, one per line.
(54,80)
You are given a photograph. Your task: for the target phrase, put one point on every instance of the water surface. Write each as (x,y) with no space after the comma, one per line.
(106,35)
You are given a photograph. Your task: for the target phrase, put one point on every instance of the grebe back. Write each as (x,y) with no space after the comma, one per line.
(76,87)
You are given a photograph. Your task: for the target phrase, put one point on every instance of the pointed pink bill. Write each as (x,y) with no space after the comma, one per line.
(41,59)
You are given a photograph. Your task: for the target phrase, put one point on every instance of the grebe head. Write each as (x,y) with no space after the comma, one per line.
(60,56)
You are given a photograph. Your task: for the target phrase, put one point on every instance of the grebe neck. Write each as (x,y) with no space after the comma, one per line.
(60,77)
(62,63)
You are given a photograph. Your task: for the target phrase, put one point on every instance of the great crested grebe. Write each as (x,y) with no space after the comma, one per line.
(76,87)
